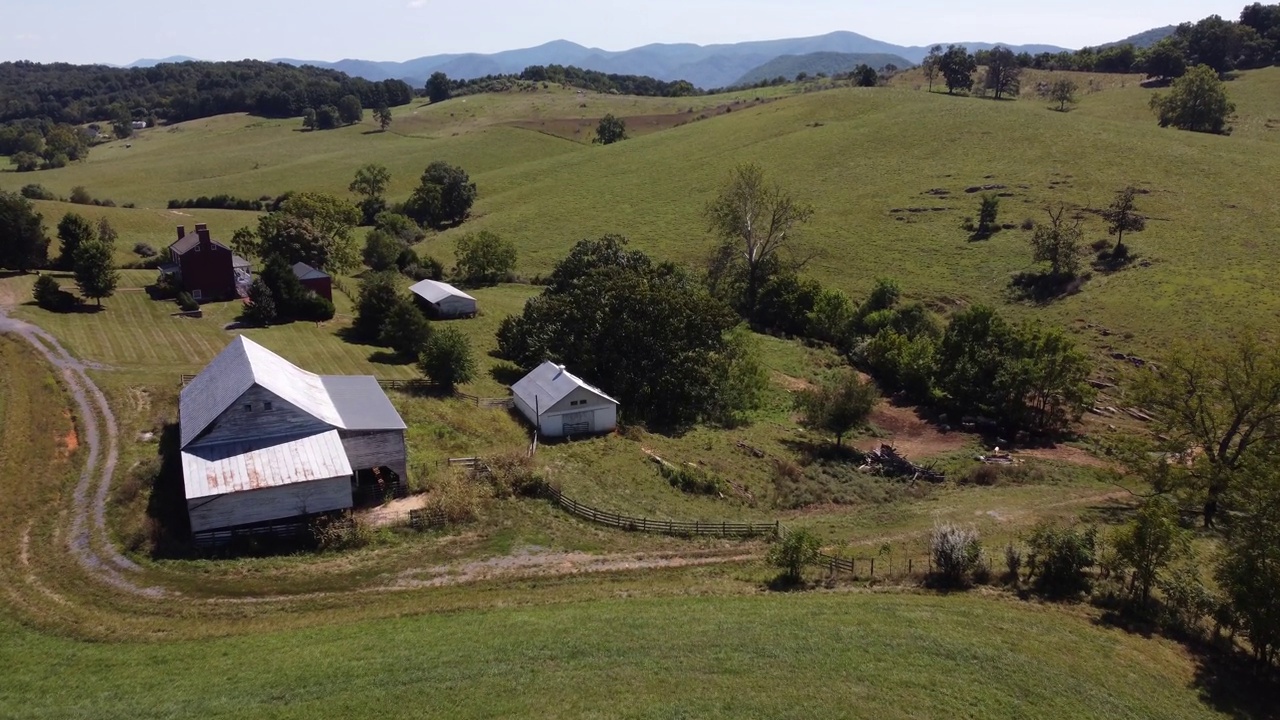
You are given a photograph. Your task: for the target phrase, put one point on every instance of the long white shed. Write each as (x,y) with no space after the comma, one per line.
(443,300)
(560,403)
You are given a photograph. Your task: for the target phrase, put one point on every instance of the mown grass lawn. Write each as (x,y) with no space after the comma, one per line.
(821,655)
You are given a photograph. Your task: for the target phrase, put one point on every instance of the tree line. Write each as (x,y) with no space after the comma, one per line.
(440,86)
(77,94)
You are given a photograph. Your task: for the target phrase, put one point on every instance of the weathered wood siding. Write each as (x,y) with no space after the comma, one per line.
(277,503)
(237,423)
(375,448)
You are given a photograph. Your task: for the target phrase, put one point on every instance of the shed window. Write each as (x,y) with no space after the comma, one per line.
(248,407)
(573,403)
(266,405)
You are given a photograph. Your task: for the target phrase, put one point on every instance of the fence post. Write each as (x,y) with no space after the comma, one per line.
(910,562)
(873,568)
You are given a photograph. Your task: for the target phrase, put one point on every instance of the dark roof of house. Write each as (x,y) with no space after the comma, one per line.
(189,241)
(306,272)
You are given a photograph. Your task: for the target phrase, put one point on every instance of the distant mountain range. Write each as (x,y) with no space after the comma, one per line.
(1146,39)
(706,66)
(831,63)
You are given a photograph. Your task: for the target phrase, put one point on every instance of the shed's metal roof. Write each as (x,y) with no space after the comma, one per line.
(240,366)
(305,272)
(550,383)
(434,291)
(262,463)
(361,403)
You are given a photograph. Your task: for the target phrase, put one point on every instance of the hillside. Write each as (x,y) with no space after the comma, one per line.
(830,63)
(1146,38)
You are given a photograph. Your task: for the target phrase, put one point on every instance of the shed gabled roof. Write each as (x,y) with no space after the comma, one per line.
(550,383)
(190,241)
(305,272)
(241,365)
(433,291)
(361,403)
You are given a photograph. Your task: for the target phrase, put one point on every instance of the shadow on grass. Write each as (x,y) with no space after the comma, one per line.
(389,357)
(170,528)
(1044,288)
(506,373)
(813,451)
(787,583)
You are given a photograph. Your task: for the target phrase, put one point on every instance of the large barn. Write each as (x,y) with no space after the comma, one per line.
(265,442)
(443,301)
(560,404)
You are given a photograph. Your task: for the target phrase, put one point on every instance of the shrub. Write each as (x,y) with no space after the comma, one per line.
(36,191)
(690,479)
(955,552)
(186,302)
(454,496)
(1012,562)
(341,533)
(81,196)
(447,358)
(26,162)
(792,552)
(50,296)
(1058,557)
(312,308)
(144,250)
(513,475)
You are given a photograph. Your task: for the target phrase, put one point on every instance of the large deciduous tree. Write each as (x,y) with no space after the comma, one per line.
(95,275)
(648,334)
(754,220)
(23,245)
(1059,243)
(957,67)
(838,407)
(443,197)
(370,183)
(1003,72)
(73,231)
(438,87)
(378,296)
(383,115)
(484,258)
(610,130)
(447,358)
(1249,571)
(1217,408)
(1197,102)
(314,228)
(350,111)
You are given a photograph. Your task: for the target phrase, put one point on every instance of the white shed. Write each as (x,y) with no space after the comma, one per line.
(559,403)
(443,300)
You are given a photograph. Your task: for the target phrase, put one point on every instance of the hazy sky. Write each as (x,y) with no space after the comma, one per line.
(85,31)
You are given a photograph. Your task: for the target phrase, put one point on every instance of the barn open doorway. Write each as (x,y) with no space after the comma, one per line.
(376,486)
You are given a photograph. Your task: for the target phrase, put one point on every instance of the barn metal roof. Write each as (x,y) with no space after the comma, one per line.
(550,383)
(433,291)
(304,271)
(262,463)
(361,403)
(241,365)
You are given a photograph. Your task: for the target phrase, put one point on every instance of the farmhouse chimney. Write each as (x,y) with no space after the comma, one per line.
(203,231)
(182,232)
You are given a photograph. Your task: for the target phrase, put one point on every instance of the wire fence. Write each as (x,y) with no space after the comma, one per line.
(682,528)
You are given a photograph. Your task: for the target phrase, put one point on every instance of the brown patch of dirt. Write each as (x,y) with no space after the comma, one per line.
(1066,454)
(582,129)
(791,384)
(911,436)
(395,512)
(72,440)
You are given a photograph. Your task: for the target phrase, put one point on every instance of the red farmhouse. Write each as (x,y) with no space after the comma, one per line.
(206,268)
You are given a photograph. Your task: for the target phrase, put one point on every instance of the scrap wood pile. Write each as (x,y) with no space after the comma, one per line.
(886,461)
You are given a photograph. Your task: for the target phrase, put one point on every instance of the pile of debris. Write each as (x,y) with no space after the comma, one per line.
(996,457)
(886,461)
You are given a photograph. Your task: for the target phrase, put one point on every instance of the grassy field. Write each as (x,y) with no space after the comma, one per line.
(833,655)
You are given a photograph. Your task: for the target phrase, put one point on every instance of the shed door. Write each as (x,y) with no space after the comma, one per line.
(578,423)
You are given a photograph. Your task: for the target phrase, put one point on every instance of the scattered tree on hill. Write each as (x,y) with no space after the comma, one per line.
(350,111)
(647,333)
(327,117)
(447,358)
(793,552)
(261,309)
(331,218)
(932,65)
(405,329)
(378,296)
(1166,59)
(754,221)
(106,233)
(382,250)
(957,67)
(988,215)
(50,296)
(26,161)
(1058,557)
(484,258)
(23,245)
(399,226)
(1122,216)
(838,407)
(65,141)
(1217,408)
(1249,571)
(1150,542)
(1003,72)
(1197,102)
(370,184)
(865,76)
(121,122)
(1060,243)
(1062,91)
(443,197)
(95,275)
(438,89)
(383,116)
(73,231)
(610,130)
(309,119)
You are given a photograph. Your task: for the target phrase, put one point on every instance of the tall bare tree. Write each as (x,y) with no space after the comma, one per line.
(755,220)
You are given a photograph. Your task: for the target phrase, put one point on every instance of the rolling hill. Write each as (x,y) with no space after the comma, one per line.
(789,66)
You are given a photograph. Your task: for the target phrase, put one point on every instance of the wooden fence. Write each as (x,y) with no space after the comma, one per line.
(883,566)
(665,527)
(424,519)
